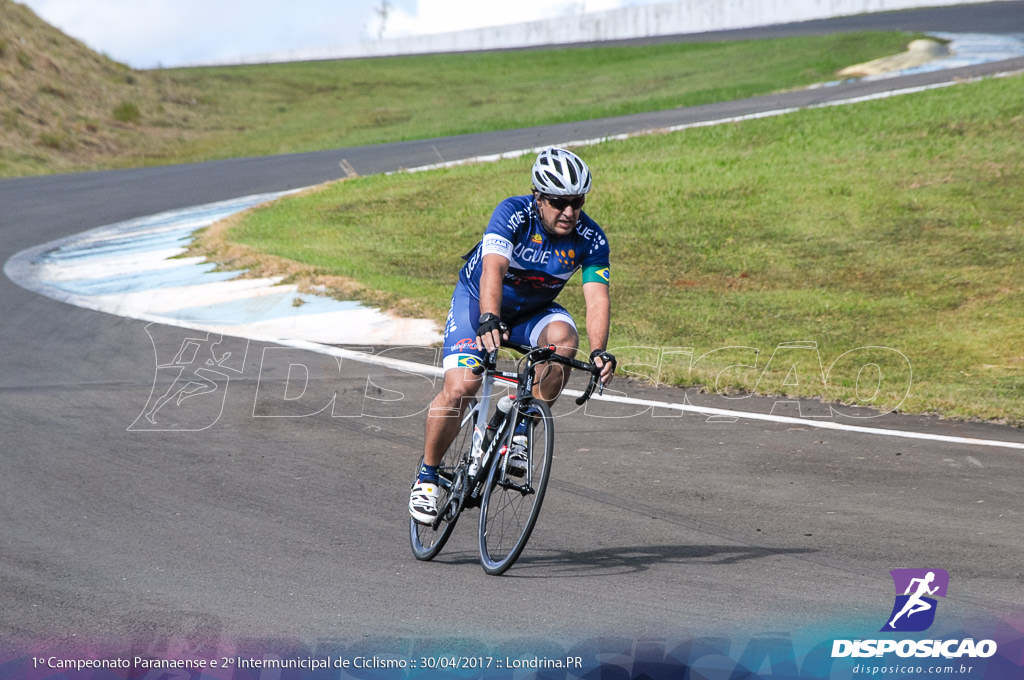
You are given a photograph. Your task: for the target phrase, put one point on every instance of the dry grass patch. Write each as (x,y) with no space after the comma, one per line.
(63,107)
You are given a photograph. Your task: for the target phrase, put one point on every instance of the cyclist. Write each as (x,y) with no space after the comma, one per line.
(530,249)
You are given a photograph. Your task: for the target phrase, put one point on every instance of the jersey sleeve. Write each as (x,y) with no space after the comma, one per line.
(500,234)
(596,274)
(596,263)
(493,244)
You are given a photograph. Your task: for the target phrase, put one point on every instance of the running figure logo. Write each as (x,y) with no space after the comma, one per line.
(190,385)
(916,590)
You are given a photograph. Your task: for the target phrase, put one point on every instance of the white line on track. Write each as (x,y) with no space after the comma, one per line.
(423,369)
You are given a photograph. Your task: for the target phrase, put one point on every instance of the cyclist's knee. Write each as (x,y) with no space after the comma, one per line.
(459,383)
(455,394)
(562,335)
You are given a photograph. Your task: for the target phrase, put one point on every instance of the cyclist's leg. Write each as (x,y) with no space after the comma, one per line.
(552,325)
(445,412)
(444,415)
(460,355)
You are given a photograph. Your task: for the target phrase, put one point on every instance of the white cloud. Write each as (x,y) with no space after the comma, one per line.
(148,33)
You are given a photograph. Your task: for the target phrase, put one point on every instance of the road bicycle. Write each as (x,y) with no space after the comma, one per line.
(475,471)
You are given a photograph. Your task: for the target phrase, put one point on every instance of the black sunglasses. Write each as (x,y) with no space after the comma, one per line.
(560,203)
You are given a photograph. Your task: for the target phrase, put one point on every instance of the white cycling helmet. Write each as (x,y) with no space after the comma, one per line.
(558,172)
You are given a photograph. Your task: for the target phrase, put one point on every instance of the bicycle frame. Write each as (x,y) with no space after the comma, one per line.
(524,381)
(504,529)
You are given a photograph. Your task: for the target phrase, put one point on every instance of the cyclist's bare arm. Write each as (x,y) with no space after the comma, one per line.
(494,268)
(598,301)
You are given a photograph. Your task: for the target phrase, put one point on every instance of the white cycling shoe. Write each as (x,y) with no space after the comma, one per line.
(517,458)
(423,502)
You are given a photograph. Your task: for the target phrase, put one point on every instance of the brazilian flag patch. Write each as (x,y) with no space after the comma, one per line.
(598,274)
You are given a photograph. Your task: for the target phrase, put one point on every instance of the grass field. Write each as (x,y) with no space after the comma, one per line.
(309,106)
(894,225)
(63,108)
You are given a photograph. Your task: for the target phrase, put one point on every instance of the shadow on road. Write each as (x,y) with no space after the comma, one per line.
(547,563)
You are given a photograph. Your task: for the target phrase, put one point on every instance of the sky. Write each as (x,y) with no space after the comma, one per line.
(154,33)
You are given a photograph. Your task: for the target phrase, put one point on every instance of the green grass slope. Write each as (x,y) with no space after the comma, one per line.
(64,108)
(894,225)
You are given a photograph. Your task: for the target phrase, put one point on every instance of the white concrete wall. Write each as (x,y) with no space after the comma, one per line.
(669,18)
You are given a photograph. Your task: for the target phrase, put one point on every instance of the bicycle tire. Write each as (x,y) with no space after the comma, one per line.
(507,513)
(425,540)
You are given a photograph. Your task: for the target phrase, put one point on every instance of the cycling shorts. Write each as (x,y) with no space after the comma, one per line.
(463,318)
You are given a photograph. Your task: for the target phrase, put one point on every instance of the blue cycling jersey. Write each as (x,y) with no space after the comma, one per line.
(540,264)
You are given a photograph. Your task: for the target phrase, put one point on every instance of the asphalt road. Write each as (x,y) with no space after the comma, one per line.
(255,516)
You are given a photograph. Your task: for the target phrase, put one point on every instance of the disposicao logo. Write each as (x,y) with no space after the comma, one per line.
(916,590)
(914,611)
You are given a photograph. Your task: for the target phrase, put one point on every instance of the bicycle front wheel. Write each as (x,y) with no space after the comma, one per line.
(511,504)
(427,540)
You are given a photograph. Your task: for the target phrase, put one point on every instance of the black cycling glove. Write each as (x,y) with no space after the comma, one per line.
(606,357)
(489,322)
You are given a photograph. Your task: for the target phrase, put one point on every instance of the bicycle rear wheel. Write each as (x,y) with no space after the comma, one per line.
(511,505)
(428,540)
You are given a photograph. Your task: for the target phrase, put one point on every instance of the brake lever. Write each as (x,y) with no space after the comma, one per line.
(595,383)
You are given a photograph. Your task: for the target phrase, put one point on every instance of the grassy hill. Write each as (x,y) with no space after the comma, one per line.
(64,108)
